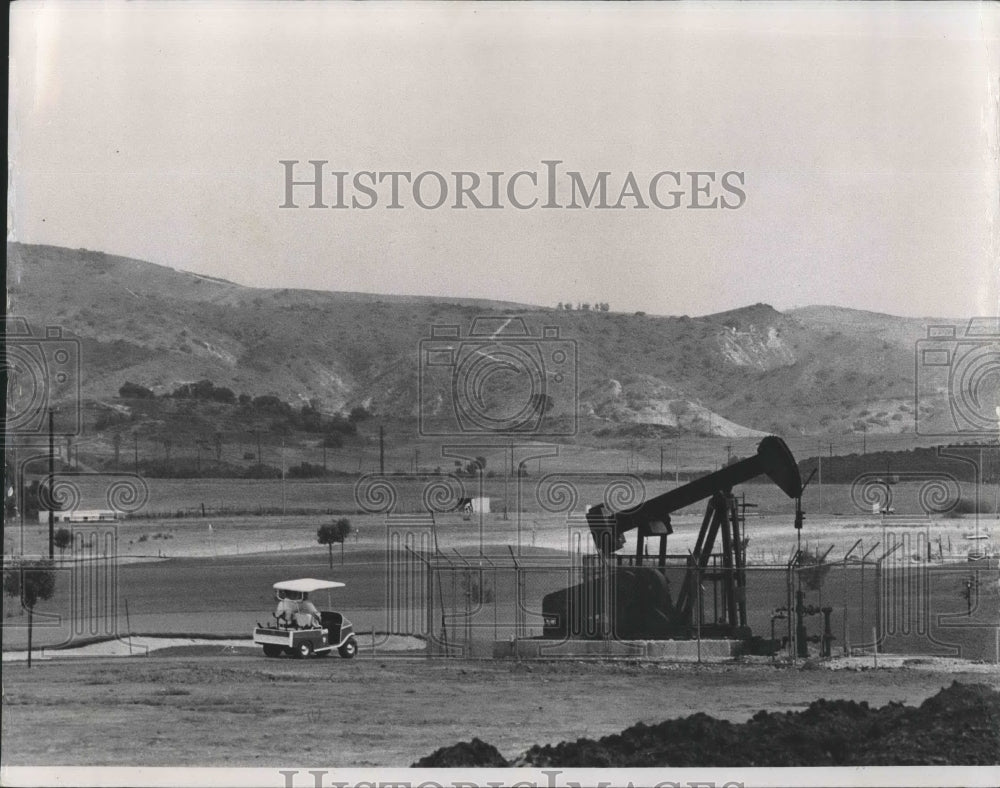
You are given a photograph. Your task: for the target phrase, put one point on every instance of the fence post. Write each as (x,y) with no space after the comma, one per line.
(789,583)
(430,609)
(697,590)
(879,596)
(517,597)
(847,645)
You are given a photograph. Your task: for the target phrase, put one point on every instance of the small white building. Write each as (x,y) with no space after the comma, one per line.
(474,506)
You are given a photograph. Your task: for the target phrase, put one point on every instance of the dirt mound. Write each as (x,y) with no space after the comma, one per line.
(958,726)
(465,753)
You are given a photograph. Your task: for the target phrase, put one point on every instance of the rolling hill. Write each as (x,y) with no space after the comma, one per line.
(736,374)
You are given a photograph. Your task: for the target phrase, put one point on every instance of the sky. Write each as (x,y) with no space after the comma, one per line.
(866,136)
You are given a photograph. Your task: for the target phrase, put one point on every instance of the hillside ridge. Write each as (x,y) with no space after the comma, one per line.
(738,373)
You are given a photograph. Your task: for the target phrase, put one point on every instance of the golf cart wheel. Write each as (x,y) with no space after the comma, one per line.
(304,650)
(272,651)
(349,649)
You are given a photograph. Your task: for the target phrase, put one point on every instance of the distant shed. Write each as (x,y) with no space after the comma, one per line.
(473,505)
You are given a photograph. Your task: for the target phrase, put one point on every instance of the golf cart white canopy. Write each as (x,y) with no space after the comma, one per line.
(306,585)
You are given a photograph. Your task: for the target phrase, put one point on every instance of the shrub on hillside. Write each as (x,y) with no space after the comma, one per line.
(131,390)
(306,470)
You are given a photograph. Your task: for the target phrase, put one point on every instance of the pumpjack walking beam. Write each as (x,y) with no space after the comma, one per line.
(773,458)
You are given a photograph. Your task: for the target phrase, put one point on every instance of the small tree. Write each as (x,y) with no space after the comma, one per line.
(476,466)
(32,581)
(359,413)
(62,539)
(333,533)
(815,569)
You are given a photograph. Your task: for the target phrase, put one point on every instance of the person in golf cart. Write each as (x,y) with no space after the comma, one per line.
(308,615)
(295,611)
(302,630)
(288,607)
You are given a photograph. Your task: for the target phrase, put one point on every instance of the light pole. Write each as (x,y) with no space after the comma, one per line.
(52,484)
(819,473)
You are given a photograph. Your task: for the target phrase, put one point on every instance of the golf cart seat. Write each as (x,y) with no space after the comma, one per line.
(304,621)
(332,622)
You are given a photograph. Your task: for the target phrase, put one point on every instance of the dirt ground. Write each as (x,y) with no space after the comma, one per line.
(238,709)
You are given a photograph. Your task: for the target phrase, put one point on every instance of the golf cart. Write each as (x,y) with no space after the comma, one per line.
(299,629)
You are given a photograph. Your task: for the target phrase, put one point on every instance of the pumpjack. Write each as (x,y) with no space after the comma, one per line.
(629,597)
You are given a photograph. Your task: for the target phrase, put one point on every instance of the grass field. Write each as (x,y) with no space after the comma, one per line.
(239,710)
(219,580)
(539,493)
(213,575)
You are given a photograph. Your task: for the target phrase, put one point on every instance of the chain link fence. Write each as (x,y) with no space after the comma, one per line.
(886,598)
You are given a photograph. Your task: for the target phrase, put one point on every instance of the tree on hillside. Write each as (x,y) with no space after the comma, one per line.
(32,581)
(476,466)
(134,391)
(332,441)
(359,413)
(333,533)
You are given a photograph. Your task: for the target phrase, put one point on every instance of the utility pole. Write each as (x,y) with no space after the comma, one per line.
(260,459)
(506,479)
(677,465)
(416,460)
(52,484)
(661,463)
(819,475)
(282,477)
(729,452)
(381,450)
